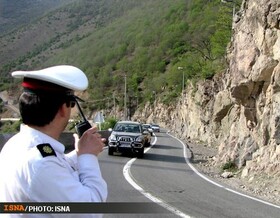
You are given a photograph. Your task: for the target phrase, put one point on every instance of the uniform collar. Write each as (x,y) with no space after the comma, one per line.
(40,137)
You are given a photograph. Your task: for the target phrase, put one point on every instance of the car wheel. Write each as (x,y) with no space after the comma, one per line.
(140,153)
(111,151)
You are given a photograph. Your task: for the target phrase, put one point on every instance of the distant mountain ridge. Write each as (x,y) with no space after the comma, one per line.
(53,30)
(15,13)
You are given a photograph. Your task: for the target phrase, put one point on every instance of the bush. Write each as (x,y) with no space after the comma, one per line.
(10,126)
(109,123)
(229,166)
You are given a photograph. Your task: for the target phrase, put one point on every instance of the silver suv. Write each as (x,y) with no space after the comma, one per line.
(127,136)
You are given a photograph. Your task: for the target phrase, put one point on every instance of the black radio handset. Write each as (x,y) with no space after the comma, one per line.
(83,125)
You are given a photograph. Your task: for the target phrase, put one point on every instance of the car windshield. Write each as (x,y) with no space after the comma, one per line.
(124,127)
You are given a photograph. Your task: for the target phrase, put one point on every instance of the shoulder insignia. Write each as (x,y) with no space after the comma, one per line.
(46,150)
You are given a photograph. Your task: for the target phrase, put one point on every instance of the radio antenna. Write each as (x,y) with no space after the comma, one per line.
(79,107)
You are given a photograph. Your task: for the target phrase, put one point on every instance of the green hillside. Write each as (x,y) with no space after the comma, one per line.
(145,40)
(16,13)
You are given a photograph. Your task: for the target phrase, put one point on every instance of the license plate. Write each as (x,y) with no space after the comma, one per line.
(125,145)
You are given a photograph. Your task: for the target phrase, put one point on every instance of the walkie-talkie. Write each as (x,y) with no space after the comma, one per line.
(83,125)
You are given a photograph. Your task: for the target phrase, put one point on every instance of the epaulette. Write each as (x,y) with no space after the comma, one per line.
(46,150)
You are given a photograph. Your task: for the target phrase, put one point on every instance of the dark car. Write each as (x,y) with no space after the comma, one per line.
(127,136)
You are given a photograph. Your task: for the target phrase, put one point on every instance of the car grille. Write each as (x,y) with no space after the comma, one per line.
(125,139)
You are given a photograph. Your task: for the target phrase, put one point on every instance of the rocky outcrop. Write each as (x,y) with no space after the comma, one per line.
(239,110)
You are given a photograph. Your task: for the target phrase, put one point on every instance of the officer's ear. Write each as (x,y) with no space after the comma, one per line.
(63,110)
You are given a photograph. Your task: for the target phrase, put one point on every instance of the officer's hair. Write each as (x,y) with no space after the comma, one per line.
(39,109)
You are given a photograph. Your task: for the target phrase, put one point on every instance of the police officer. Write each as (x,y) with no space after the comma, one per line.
(33,166)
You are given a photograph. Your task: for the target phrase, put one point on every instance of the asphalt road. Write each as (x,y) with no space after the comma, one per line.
(163,176)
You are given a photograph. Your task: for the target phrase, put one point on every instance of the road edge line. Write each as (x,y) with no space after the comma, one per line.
(215,183)
(132,181)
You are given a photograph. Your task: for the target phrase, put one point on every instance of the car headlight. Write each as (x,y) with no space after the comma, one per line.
(139,139)
(113,138)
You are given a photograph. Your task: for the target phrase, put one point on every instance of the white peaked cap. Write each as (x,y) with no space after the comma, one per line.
(67,76)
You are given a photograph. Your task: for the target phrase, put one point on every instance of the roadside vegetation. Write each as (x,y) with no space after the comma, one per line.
(9,126)
(229,166)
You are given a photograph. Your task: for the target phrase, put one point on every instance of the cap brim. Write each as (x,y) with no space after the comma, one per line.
(66,76)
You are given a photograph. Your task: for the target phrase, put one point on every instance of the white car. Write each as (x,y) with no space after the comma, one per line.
(149,128)
(155,127)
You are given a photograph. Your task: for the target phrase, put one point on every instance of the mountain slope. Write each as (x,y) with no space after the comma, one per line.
(145,40)
(16,13)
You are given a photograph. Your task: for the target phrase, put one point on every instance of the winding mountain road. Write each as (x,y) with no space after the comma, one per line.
(166,177)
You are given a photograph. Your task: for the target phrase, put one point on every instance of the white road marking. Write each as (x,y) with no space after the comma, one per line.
(215,183)
(133,182)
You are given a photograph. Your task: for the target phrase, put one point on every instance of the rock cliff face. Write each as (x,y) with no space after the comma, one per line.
(238,110)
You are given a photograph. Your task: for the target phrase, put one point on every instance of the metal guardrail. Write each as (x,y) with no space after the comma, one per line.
(66,138)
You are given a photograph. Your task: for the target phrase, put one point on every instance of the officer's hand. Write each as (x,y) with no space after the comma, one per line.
(89,143)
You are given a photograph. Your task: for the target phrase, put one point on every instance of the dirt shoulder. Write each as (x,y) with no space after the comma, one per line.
(260,186)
